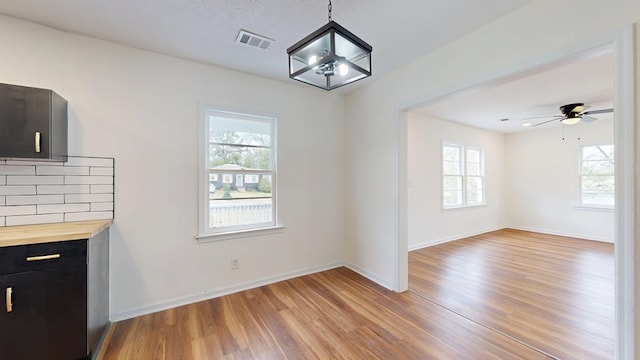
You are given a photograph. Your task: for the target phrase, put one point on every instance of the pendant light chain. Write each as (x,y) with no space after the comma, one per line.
(330,10)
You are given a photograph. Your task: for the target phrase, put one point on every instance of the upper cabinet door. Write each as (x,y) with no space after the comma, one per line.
(33,123)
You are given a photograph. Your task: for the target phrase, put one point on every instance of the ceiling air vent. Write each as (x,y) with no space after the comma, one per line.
(253,40)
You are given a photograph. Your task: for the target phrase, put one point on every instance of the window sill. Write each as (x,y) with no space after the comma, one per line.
(595,208)
(453,208)
(222,236)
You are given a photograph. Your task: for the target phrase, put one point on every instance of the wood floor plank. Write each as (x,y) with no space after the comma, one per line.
(551,292)
(336,314)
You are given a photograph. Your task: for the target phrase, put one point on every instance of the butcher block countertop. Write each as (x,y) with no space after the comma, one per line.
(44,233)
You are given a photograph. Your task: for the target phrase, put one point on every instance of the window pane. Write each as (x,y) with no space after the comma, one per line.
(474,183)
(240,173)
(451,168)
(451,153)
(452,182)
(452,198)
(474,197)
(245,157)
(597,167)
(228,130)
(602,152)
(473,155)
(598,183)
(591,197)
(240,212)
(473,169)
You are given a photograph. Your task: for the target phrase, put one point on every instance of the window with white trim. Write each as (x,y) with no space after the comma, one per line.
(238,172)
(597,178)
(462,176)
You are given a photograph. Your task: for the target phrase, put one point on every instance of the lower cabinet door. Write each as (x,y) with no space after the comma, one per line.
(44,314)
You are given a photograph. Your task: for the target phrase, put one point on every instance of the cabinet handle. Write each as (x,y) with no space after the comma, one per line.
(37,140)
(43,257)
(8,299)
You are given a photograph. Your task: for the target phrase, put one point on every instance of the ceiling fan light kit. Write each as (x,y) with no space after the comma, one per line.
(330,57)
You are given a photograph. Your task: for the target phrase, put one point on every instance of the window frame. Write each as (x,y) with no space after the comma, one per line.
(581,175)
(463,165)
(205,232)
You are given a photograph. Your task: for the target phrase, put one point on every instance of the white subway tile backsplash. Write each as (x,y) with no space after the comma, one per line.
(34,180)
(34,199)
(17,170)
(103,206)
(101,189)
(17,190)
(39,192)
(63,189)
(82,161)
(88,198)
(101,171)
(33,163)
(85,216)
(62,170)
(17,210)
(34,219)
(92,180)
(63,208)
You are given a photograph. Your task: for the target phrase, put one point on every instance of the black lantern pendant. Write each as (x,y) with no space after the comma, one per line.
(330,57)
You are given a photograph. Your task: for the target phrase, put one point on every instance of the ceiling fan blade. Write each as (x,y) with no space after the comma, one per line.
(541,117)
(602,111)
(588,119)
(548,121)
(580,108)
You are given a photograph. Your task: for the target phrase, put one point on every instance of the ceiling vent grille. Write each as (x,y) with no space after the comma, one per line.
(254,40)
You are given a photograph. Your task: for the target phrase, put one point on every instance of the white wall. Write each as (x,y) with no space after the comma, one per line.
(542,182)
(428,223)
(371,111)
(142,109)
(531,182)
(512,43)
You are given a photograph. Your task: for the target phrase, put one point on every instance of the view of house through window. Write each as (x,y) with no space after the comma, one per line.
(462,176)
(597,178)
(240,172)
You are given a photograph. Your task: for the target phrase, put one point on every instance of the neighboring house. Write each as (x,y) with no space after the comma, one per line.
(236,176)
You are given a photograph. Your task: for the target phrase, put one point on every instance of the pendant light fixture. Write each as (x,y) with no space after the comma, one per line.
(330,57)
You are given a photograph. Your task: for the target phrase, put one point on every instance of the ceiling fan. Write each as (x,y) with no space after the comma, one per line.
(571,114)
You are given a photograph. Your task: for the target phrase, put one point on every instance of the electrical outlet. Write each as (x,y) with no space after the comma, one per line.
(235,263)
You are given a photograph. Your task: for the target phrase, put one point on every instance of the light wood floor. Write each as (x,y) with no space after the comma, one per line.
(553,293)
(502,295)
(335,314)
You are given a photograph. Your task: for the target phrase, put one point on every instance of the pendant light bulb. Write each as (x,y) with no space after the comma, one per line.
(313,59)
(343,69)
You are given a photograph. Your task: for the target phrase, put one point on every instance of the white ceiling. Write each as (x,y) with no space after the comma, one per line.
(588,80)
(400,32)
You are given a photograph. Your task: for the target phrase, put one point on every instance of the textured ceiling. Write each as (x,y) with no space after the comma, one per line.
(399,31)
(205,30)
(588,80)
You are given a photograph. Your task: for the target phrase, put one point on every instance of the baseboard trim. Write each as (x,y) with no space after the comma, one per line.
(98,352)
(577,236)
(453,238)
(369,276)
(214,293)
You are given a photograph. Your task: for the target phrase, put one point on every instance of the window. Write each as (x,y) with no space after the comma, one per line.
(462,176)
(597,179)
(239,168)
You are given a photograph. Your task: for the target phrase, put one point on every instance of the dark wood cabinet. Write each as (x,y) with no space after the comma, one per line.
(33,123)
(55,299)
